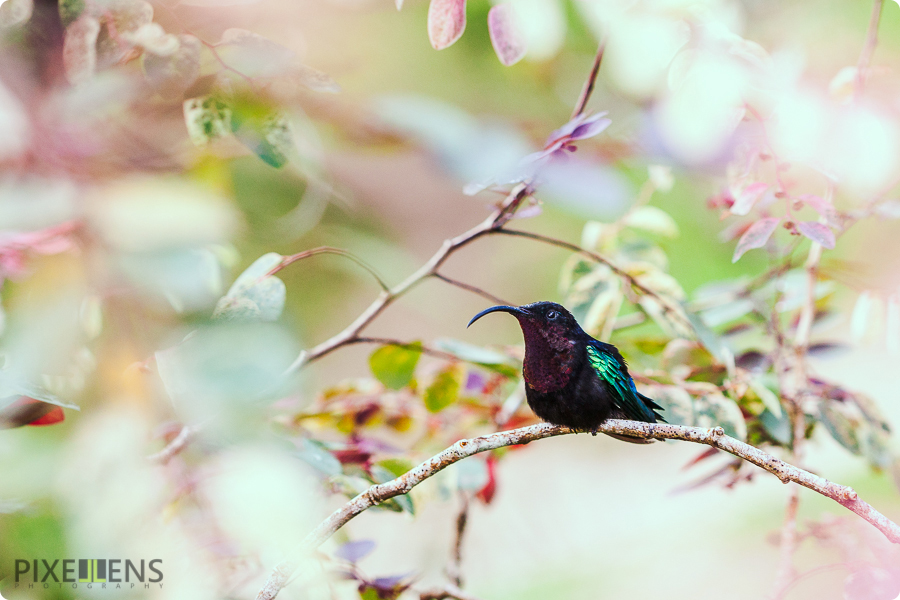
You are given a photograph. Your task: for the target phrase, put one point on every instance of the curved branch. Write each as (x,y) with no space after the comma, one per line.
(328,250)
(496,220)
(715,437)
(666,305)
(418,347)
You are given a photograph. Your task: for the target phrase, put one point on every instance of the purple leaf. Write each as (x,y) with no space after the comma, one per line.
(747,197)
(389,583)
(817,232)
(590,128)
(506,37)
(474,382)
(446,22)
(589,125)
(755,237)
(355,551)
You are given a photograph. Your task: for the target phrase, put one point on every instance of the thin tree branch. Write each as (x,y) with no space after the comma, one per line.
(454,568)
(588,88)
(471,288)
(423,348)
(328,250)
(788,545)
(865,56)
(496,220)
(715,437)
(666,305)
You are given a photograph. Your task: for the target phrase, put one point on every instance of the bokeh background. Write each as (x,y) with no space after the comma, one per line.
(154,229)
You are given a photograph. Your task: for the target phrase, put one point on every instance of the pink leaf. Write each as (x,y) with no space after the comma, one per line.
(446,22)
(756,236)
(506,36)
(817,232)
(745,199)
(821,206)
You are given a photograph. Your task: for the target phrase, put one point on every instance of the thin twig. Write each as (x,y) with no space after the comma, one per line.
(417,346)
(454,568)
(865,56)
(471,288)
(788,545)
(177,444)
(665,304)
(287,260)
(715,437)
(496,220)
(588,88)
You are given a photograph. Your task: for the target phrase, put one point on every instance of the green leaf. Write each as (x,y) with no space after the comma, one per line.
(369,593)
(395,466)
(382,474)
(444,390)
(254,296)
(717,409)
(70,10)
(777,426)
(394,366)
(406,504)
(316,455)
(471,475)
(768,397)
(268,135)
(841,424)
(470,353)
(207,118)
(652,220)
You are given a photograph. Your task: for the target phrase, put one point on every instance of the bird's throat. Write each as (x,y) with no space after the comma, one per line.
(549,360)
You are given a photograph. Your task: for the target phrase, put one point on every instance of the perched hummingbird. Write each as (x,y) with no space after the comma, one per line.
(572,379)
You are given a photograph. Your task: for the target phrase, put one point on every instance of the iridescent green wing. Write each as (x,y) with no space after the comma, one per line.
(625,396)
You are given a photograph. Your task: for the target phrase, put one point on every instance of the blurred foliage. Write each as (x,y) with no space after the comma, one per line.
(153,153)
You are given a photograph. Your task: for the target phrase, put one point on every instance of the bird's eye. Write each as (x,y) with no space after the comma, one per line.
(552,315)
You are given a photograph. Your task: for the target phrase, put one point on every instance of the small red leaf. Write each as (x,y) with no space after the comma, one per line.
(28,411)
(56,415)
(756,236)
(446,22)
(817,232)
(506,37)
(486,494)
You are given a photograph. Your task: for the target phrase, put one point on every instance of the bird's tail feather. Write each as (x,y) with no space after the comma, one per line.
(654,407)
(629,439)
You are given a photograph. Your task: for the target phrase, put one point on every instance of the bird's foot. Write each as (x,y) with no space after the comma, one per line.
(594,432)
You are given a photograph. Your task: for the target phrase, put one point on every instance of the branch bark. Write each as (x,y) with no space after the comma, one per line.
(715,437)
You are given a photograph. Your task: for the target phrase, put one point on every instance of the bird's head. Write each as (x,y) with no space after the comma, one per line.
(547,320)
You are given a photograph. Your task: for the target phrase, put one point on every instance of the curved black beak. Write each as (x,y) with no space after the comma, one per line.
(513,310)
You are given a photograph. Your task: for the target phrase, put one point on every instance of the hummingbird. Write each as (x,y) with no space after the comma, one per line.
(572,379)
